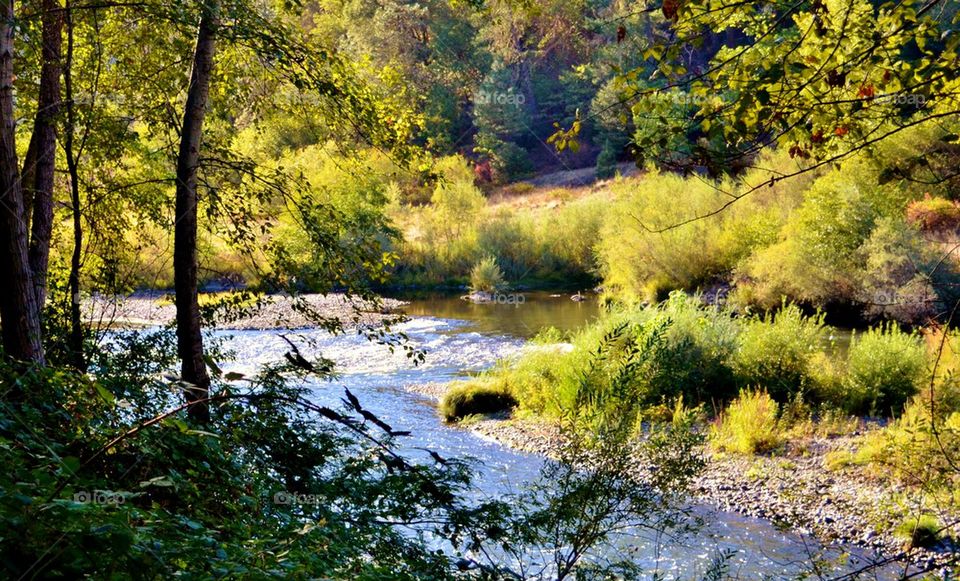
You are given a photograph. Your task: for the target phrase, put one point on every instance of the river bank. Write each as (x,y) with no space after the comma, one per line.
(274,312)
(794,488)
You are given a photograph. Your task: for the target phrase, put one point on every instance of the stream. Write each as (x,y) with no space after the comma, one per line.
(460,337)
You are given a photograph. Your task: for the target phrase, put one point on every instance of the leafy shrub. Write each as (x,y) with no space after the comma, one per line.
(946,393)
(652,243)
(116,471)
(605,371)
(918,448)
(627,362)
(934,214)
(470,399)
(902,274)
(647,265)
(543,378)
(885,366)
(919,531)
(486,276)
(533,247)
(749,425)
(854,241)
(827,372)
(775,351)
(816,258)
(693,361)
(455,204)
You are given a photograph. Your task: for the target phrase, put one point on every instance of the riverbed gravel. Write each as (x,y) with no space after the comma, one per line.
(275,312)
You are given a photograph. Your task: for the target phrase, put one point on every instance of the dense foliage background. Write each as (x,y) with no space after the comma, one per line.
(784,163)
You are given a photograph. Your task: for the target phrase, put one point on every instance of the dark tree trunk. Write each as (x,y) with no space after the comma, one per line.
(73,159)
(39,163)
(189,336)
(19,311)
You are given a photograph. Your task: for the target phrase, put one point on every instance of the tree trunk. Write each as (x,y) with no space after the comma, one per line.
(73,159)
(40,161)
(19,311)
(189,336)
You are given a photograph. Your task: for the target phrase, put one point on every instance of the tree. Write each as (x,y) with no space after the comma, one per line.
(189,332)
(823,80)
(73,162)
(39,163)
(19,310)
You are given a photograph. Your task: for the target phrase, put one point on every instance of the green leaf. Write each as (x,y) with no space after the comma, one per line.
(104,394)
(71,464)
(214,368)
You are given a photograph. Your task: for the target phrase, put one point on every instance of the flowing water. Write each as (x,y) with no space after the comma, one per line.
(458,338)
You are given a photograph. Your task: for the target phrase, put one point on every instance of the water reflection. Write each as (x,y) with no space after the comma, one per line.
(539,310)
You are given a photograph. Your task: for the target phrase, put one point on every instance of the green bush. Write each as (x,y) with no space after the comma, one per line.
(916,450)
(885,367)
(693,361)
(455,205)
(852,242)
(816,259)
(652,241)
(749,425)
(469,399)
(606,369)
(486,276)
(627,361)
(532,247)
(775,351)
(543,378)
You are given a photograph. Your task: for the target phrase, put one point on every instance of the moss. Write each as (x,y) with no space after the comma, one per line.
(469,399)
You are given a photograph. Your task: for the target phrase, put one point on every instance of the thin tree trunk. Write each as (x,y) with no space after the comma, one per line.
(40,161)
(76,323)
(18,306)
(189,335)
